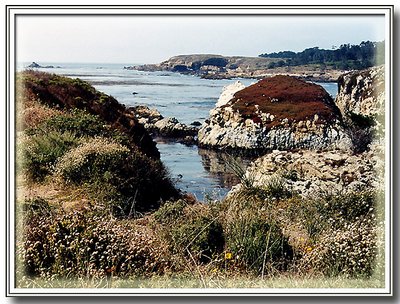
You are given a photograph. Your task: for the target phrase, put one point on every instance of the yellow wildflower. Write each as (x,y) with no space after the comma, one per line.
(228,255)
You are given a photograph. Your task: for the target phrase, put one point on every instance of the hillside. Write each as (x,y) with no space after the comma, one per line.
(86,140)
(66,93)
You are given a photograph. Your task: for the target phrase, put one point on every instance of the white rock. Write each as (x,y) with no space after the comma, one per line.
(228,92)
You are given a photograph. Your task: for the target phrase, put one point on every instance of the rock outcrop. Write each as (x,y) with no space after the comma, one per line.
(35,65)
(228,92)
(310,173)
(169,127)
(280,112)
(361,98)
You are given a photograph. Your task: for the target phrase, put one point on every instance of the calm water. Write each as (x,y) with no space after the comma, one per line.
(188,98)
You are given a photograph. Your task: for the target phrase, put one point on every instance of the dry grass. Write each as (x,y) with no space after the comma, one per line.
(177,282)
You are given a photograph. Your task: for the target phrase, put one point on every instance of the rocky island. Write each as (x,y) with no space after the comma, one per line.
(35,65)
(279,112)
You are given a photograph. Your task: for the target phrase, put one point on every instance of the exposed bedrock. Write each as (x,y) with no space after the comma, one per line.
(280,112)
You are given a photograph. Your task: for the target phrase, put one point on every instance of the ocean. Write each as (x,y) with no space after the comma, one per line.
(189,98)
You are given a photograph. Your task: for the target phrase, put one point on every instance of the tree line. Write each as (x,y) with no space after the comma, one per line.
(347,56)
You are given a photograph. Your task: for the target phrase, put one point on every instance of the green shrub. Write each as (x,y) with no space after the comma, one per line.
(95,159)
(330,211)
(349,206)
(36,206)
(80,123)
(170,212)
(247,180)
(77,121)
(343,232)
(362,121)
(41,151)
(129,180)
(275,188)
(256,243)
(311,214)
(202,236)
(143,182)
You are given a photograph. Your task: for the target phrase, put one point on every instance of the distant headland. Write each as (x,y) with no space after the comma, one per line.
(313,64)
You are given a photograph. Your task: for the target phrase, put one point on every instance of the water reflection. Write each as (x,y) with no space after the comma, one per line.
(205,173)
(221,166)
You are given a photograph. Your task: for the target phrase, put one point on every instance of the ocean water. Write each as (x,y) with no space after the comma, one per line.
(204,173)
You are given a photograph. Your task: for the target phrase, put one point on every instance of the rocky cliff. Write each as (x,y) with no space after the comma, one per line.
(279,112)
(361,99)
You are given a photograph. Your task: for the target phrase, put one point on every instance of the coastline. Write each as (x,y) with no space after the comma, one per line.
(221,67)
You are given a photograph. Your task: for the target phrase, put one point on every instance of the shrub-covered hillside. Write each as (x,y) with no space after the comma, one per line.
(85,139)
(65,93)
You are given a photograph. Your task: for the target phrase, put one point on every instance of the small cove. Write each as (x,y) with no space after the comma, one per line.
(204,173)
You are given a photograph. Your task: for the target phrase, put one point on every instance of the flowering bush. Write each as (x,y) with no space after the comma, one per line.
(348,251)
(83,244)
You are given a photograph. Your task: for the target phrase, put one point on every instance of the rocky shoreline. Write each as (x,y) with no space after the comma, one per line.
(166,127)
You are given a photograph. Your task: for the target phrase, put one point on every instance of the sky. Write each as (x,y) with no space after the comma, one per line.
(152,39)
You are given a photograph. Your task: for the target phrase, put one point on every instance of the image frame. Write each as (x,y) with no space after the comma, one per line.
(13,11)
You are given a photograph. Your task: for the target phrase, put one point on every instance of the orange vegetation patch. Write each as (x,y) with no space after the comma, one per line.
(285,97)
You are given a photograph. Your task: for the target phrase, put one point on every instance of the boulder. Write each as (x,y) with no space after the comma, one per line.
(146,116)
(279,112)
(169,127)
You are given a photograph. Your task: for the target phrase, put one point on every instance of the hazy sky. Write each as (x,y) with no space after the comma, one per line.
(151,39)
